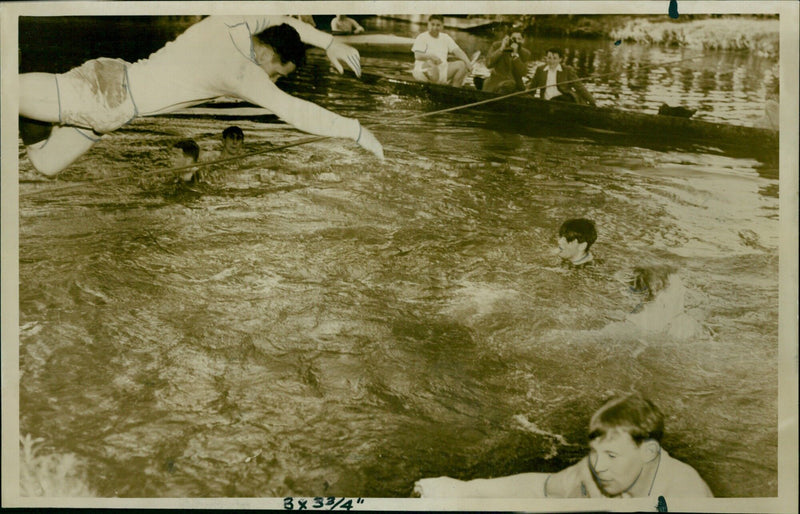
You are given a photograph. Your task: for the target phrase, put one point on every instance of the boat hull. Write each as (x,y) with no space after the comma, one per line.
(616,126)
(736,138)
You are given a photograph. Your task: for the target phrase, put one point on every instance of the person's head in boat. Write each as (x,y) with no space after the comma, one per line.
(184,153)
(435,24)
(279,50)
(575,237)
(514,40)
(232,141)
(553,57)
(625,442)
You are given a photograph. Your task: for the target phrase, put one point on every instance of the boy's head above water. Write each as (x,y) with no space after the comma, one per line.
(232,140)
(575,237)
(651,280)
(184,153)
(625,436)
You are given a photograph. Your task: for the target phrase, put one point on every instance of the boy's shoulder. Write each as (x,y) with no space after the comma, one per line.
(679,479)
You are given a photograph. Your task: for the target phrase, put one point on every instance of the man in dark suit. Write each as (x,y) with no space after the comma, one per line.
(508,61)
(550,80)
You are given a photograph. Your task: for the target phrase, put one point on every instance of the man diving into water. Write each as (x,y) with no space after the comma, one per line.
(239,56)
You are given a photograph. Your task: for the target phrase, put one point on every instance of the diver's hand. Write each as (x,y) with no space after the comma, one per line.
(441,487)
(368,141)
(345,53)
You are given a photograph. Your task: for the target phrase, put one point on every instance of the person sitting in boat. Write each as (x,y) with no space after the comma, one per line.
(232,142)
(184,153)
(431,49)
(575,237)
(306,18)
(558,81)
(508,61)
(342,24)
(240,56)
(626,460)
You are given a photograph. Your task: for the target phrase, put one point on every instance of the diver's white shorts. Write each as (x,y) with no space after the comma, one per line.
(95,95)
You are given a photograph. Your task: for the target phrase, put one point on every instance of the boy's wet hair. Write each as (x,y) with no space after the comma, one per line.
(286,42)
(581,229)
(633,414)
(232,132)
(650,280)
(436,17)
(189,147)
(555,50)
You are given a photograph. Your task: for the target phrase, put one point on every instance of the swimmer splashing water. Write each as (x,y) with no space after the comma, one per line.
(63,115)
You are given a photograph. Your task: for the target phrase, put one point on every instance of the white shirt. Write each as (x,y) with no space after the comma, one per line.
(552,79)
(215,57)
(345,25)
(438,46)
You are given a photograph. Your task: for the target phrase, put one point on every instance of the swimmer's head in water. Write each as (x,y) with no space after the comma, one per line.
(649,281)
(232,140)
(285,42)
(575,237)
(579,229)
(184,152)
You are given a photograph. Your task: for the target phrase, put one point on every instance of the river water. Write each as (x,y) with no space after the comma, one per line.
(315,322)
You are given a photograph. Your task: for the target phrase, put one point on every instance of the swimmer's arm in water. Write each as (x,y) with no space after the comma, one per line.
(523,485)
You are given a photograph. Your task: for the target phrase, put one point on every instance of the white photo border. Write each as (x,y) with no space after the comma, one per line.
(787,499)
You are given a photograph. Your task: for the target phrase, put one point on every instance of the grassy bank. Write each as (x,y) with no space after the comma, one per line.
(729,33)
(750,32)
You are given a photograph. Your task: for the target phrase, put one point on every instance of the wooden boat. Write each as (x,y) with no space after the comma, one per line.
(378,43)
(623,127)
(670,130)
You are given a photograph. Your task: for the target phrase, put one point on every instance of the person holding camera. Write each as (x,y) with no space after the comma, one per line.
(508,61)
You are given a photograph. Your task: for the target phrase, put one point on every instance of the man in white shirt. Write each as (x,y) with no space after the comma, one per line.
(431,49)
(239,56)
(342,24)
(625,460)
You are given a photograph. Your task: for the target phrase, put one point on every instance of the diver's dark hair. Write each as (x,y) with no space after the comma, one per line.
(633,414)
(233,132)
(436,17)
(555,50)
(581,229)
(189,147)
(286,42)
